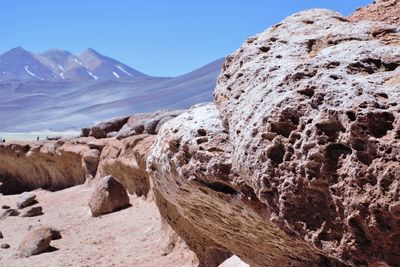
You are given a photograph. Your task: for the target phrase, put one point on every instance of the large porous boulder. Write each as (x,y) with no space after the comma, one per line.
(36,241)
(108,196)
(26,199)
(125,160)
(191,168)
(298,165)
(102,129)
(380,10)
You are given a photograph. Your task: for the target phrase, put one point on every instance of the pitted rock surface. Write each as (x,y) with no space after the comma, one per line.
(310,113)
(380,10)
(190,166)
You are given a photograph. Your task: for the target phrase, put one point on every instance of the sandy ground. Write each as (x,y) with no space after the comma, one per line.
(130,237)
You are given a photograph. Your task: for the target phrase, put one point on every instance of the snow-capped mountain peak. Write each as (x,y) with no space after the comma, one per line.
(59,65)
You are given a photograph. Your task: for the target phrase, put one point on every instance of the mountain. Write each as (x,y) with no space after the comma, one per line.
(58,90)
(19,64)
(57,65)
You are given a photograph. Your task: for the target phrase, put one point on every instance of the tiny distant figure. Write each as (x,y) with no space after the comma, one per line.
(37,139)
(4,140)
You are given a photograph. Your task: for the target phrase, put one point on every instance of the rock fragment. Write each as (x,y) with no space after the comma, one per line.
(108,196)
(26,199)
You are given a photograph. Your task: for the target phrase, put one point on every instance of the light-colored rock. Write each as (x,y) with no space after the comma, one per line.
(9,212)
(190,166)
(303,168)
(125,160)
(108,196)
(26,199)
(314,132)
(234,261)
(36,241)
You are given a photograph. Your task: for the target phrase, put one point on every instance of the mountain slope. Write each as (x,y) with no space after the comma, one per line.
(19,64)
(77,100)
(60,65)
(105,67)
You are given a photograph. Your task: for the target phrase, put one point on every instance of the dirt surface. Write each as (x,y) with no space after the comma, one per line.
(134,236)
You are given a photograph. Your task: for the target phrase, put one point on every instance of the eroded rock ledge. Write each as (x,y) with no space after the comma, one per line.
(298,165)
(117,147)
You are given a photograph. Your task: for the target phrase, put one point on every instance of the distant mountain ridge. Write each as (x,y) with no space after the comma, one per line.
(60,65)
(58,90)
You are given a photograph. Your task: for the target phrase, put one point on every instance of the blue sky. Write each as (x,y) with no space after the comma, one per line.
(157,37)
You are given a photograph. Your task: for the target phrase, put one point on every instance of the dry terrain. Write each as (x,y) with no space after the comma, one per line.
(134,236)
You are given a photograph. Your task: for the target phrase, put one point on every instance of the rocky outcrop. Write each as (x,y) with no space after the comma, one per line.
(141,123)
(125,160)
(64,163)
(48,164)
(102,129)
(387,11)
(298,164)
(108,196)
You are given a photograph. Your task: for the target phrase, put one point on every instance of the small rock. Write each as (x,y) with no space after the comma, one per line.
(5,207)
(5,245)
(36,241)
(55,233)
(108,196)
(9,212)
(32,211)
(1,235)
(26,199)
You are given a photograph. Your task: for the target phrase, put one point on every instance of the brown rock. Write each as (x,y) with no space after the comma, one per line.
(5,207)
(125,160)
(102,129)
(26,199)
(108,196)
(85,132)
(134,125)
(55,233)
(387,11)
(36,241)
(1,235)
(49,164)
(32,211)
(148,123)
(5,246)
(9,212)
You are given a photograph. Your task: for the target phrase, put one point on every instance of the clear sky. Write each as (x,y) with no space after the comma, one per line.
(157,37)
